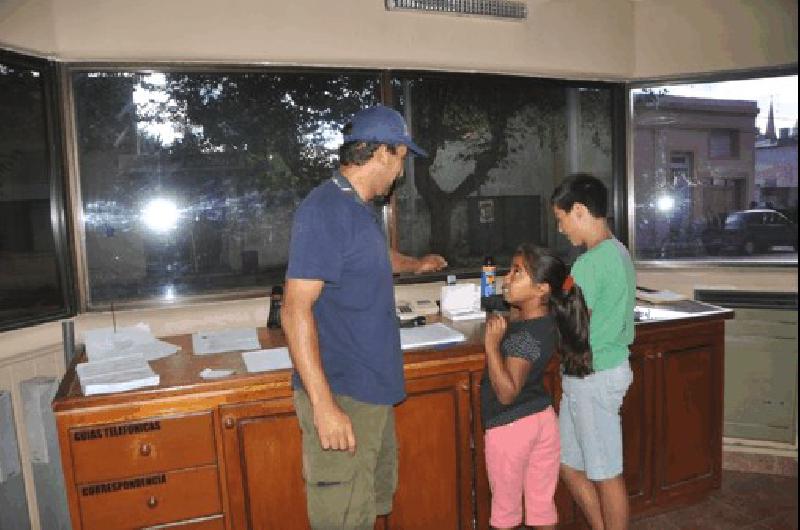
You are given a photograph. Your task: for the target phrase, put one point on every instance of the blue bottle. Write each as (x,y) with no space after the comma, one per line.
(488,273)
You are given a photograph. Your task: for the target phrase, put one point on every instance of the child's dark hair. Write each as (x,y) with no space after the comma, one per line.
(585,189)
(568,307)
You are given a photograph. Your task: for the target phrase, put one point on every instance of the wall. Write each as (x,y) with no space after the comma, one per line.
(689,36)
(577,38)
(613,39)
(28,25)
(685,280)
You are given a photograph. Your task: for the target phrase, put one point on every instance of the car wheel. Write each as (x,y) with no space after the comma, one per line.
(749,247)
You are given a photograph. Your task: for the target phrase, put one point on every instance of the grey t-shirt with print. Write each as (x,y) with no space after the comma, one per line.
(532,340)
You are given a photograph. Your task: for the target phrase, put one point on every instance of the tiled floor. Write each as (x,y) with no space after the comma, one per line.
(751,501)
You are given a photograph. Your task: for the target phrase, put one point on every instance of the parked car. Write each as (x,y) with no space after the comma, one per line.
(751,231)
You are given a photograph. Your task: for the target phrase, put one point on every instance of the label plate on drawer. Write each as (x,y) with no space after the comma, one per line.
(149,500)
(120,450)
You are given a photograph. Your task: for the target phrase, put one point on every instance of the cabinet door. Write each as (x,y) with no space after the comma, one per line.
(688,444)
(263,460)
(263,464)
(433,436)
(638,428)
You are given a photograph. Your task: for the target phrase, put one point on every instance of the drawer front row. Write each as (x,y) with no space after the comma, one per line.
(149,500)
(140,447)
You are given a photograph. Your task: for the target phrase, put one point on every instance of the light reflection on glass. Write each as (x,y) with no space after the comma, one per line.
(666,203)
(169,292)
(160,215)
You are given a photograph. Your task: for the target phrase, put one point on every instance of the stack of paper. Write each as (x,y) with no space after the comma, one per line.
(105,343)
(237,339)
(266,360)
(429,335)
(461,302)
(116,374)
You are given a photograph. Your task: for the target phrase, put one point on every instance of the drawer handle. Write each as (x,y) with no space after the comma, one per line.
(145,449)
(152,502)
(229,423)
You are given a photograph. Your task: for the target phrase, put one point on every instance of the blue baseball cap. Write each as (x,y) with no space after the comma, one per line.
(383,125)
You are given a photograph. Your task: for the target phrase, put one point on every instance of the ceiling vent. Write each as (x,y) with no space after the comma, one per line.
(500,9)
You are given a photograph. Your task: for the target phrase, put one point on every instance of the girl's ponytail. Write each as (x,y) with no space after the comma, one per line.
(572,328)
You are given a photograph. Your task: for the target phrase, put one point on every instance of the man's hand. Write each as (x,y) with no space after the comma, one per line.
(430,263)
(403,264)
(334,428)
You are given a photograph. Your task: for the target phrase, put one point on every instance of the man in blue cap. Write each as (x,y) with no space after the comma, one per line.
(339,319)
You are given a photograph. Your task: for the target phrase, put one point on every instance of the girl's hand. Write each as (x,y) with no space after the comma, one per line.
(495,329)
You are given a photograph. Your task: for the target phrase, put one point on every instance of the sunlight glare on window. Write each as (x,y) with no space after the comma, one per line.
(665,203)
(160,215)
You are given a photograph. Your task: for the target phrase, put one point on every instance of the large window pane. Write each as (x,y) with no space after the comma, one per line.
(499,146)
(189,180)
(715,170)
(31,281)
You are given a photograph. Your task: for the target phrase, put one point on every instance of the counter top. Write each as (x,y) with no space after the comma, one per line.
(179,373)
(648,313)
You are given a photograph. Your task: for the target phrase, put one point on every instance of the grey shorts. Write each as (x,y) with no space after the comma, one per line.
(346,491)
(590,423)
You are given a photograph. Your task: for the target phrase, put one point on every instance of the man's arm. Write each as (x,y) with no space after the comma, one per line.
(333,426)
(427,263)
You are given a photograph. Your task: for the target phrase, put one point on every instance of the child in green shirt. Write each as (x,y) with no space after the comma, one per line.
(589,418)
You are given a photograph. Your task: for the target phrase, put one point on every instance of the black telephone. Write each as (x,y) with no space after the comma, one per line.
(275,302)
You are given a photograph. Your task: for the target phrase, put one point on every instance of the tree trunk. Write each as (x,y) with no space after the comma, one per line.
(441,222)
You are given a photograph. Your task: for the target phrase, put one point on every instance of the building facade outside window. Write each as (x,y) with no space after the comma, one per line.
(723,144)
(706,157)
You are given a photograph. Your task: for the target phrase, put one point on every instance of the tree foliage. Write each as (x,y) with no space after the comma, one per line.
(281,125)
(491,118)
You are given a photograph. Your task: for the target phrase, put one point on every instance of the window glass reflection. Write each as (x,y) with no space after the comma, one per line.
(715,170)
(189,180)
(30,277)
(499,146)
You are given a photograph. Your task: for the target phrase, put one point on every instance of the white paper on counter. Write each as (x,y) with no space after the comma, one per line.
(235,339)
(266,360)
(215,373)
(429,335)
(105,343)
(116,374)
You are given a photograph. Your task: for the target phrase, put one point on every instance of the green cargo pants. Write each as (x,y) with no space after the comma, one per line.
(346,491)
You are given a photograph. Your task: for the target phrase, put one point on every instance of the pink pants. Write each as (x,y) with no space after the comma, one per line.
(522,460)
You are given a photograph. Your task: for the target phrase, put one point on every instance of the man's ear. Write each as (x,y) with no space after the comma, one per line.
(382,153)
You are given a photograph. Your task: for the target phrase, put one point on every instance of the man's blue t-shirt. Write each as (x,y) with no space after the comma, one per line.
(337,238)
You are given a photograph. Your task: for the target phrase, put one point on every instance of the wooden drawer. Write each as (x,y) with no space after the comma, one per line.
(113,451)
(215,522)
(149,500)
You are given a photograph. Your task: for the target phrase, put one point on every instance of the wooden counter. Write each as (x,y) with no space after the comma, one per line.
(226,453)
